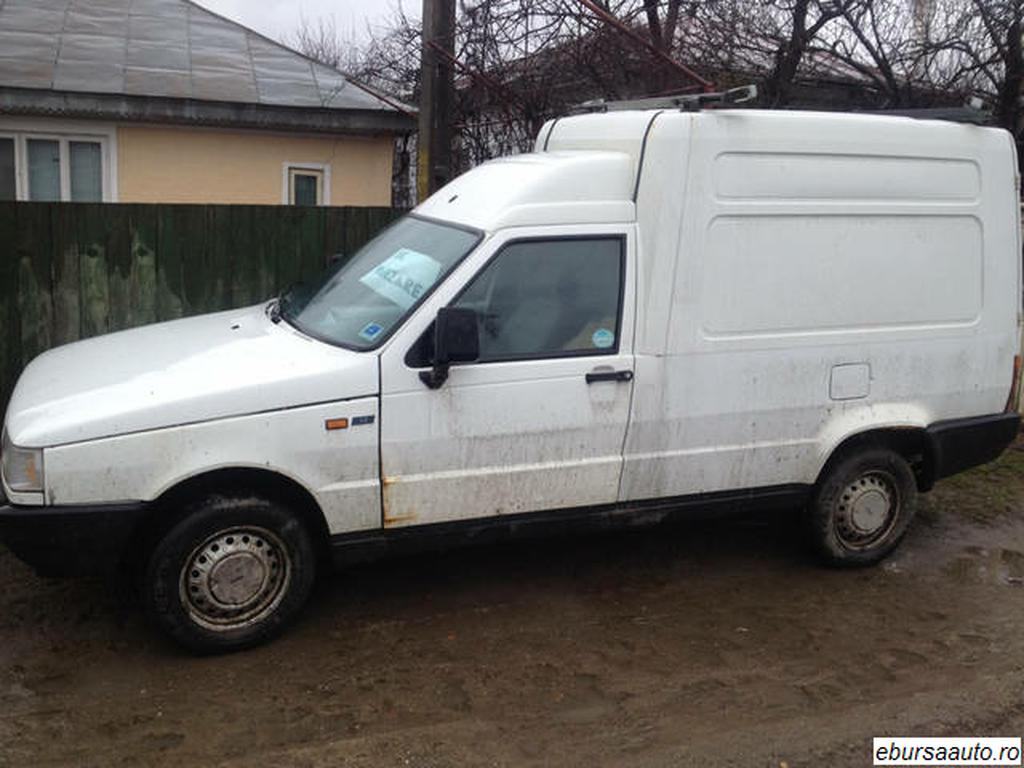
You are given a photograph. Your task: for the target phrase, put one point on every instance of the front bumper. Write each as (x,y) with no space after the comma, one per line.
(71,540)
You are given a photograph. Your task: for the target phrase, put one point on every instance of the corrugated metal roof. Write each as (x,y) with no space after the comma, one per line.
(161,48)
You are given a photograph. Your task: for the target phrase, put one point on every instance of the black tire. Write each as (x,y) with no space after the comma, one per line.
(862,507)
(231,574)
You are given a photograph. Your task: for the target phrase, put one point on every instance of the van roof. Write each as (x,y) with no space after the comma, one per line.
(577,187)
(626,130)
(584,168)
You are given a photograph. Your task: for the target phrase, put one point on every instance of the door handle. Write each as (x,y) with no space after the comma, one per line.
(594,376)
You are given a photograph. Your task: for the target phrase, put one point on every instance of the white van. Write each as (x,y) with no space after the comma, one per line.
(653,311)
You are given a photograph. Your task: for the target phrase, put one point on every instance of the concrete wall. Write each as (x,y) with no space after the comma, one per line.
(192,165)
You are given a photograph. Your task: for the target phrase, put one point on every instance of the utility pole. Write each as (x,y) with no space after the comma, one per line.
(437,88)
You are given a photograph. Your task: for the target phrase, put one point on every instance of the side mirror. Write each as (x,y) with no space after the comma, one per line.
(456,336)
(456,340)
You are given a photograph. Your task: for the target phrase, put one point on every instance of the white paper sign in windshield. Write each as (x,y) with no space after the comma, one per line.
(404,277)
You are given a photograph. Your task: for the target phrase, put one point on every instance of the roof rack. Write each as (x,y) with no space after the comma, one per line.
(688,102)
(967,114)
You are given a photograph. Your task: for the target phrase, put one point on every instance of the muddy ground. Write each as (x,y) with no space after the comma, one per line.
(711,644)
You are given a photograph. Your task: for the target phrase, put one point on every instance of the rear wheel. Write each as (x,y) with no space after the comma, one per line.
(230,574)
(862,507)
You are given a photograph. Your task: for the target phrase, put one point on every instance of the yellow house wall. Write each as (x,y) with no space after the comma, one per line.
(190,165)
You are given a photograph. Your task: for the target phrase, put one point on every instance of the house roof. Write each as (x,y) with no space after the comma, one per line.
(171,60)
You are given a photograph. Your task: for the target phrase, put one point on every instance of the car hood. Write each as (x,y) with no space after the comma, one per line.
(180,372)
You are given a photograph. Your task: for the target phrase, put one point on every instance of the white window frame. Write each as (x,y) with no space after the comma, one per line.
(63,132)
(324,169)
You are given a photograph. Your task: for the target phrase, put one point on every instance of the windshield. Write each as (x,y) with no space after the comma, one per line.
(359,305)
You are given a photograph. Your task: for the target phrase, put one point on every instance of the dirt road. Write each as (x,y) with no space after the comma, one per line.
(687,645)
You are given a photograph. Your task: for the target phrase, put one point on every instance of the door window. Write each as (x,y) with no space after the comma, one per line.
(549,298)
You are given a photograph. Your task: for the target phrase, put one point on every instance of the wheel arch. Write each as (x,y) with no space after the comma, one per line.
(168,507)
(912,442)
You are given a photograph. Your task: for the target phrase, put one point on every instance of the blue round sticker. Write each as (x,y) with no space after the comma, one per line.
(603,338)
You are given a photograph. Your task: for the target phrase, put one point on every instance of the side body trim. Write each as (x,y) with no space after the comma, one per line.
(363,546)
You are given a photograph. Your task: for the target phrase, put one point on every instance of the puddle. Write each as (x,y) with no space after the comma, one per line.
(984,565)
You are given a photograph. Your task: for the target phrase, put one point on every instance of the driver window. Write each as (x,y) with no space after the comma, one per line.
(549,298)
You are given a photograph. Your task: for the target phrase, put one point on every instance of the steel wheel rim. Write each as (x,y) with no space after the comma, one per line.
(235,578)
(867,510)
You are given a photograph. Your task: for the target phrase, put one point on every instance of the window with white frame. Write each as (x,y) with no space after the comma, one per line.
(54,167)
(306,184)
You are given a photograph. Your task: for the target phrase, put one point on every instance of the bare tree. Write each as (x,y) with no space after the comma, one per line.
(320,40)
(521,62)
(390,60)
(662,25)
(794,24)
(875,40)
(388,64)
(975,49)
(993,48)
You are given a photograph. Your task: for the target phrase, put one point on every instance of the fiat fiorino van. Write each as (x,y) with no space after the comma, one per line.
(653,311)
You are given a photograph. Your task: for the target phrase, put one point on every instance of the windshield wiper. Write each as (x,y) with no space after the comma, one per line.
(278,307)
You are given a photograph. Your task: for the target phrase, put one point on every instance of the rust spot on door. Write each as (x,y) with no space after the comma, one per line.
(386,484)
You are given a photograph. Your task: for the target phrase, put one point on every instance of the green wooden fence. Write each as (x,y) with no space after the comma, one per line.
(70,271)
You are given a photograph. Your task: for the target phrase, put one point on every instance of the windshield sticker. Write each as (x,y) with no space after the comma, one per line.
(404,277)
(371,331)
(603,338)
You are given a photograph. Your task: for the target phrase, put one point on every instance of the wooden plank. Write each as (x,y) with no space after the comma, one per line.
(214,272)
(265,255)
(271,259)
(312,250)
(193,239)
(67,309)
(356,234)
(93,269)
(245,238)
(10,318)
(116,244)
(173,239)
(289,250)
(129,232)
(34,249)
(143,280)
(335,224)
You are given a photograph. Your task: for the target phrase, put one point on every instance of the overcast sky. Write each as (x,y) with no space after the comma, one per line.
(279,18)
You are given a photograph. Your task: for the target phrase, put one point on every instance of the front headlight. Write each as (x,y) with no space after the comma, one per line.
(22,467)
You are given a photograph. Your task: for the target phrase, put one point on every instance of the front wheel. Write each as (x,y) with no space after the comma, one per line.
(862,507)
(230,574)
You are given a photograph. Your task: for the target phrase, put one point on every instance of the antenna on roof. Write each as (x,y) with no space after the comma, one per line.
(688,102)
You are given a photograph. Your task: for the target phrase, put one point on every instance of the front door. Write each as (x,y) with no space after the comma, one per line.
(538,421)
